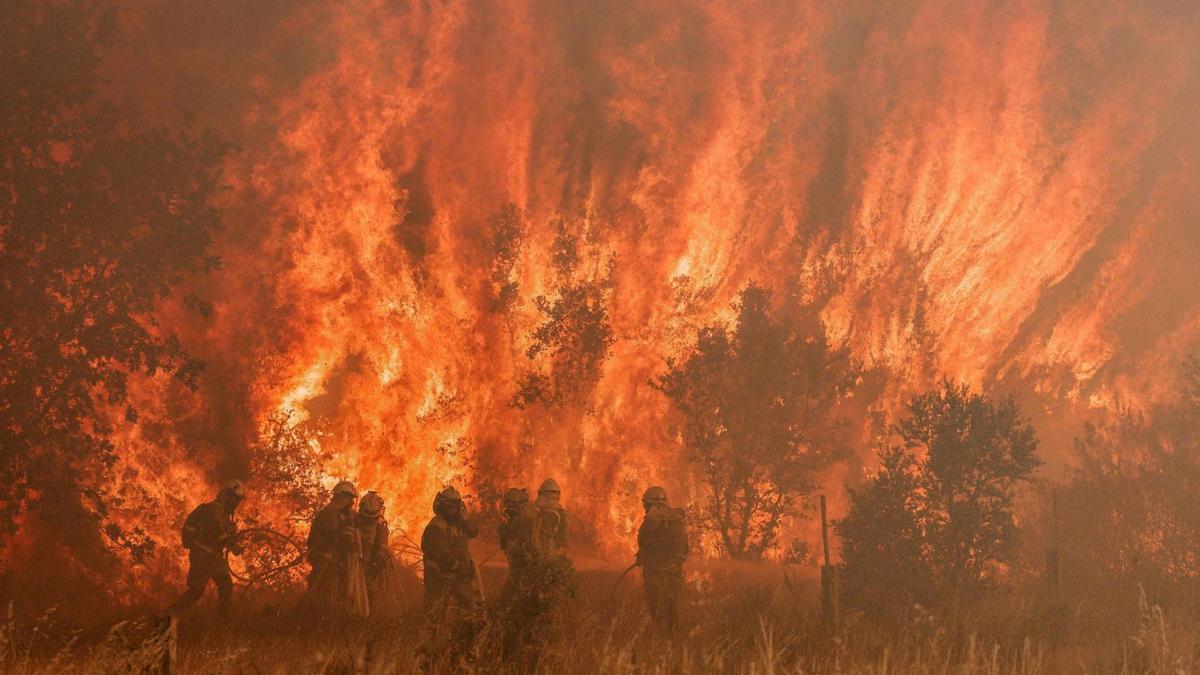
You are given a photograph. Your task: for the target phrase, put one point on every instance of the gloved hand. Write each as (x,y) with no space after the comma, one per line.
(231,544)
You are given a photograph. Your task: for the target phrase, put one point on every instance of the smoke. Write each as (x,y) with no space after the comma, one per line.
(1004,193)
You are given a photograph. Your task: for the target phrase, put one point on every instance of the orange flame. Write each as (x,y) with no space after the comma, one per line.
(999,193)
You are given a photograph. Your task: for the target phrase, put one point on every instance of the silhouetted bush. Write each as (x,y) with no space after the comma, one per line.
(758,404)
(936,524)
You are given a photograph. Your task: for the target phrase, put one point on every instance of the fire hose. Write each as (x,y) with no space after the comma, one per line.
(251,578)
(257,577)
(612,593)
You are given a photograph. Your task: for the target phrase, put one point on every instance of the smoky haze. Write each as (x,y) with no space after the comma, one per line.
(1004,194)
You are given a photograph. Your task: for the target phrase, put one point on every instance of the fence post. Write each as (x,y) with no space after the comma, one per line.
(168,642)
(1053,578)
(830,580)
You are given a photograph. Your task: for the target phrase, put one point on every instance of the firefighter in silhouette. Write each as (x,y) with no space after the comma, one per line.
(453,592)
(208,533)
(662,550)
(450,573)
(555,571)
(543,587)
(516,533)
(337,586)
(550,531)
(379,565)
(518,598)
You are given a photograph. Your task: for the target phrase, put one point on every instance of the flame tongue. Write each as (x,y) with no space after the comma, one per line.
(985,192)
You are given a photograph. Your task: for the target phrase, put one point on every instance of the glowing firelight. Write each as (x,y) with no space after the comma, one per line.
(953,187)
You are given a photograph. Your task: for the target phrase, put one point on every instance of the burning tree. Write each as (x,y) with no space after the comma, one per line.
(286,471)
(287,466)
(576,332)
(937,520)
(1130,509)
(758,408)
(98,222)
(504,244)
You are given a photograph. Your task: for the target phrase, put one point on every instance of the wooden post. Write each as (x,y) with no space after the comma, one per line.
(168,642)
(1053,578)
(824,531)
(830,581)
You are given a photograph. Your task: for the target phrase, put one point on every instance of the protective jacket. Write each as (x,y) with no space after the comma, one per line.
(662,549)
(209,529)
(449,570)
(662,538)
(516,537)
(208,532)
(329,533)
(551,528)
(337,585)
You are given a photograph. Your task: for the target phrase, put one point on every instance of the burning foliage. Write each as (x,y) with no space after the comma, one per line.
(99,221)
(621,244)
(1129,508)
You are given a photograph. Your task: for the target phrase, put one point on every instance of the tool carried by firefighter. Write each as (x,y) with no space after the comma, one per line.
(612,592)
(278,540)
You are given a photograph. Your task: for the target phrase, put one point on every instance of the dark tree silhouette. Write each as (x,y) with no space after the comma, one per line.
(98,222)
(286,471)
(883,538)
(758,408)
(937,520)
(571,344)
(1130,508)
(503,240)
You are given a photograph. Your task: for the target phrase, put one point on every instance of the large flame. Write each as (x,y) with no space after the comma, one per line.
(1001,192)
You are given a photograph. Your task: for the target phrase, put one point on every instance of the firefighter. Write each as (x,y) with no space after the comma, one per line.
(662,550)
(555,574)
(550,532)
(208,533)
(516,532)
(379,564)
(519,604)
(337,586)
(450,574)
(453,592)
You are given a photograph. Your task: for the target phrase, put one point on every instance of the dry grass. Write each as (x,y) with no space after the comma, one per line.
(738,620)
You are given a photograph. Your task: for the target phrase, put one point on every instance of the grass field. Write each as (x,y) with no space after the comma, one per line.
(738,619)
